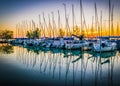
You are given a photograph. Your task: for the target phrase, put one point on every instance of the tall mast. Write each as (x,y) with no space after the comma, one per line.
(39,20)
(26,26)
(19,30)
(73,17)
(58,19)
(65,19)
(16,30)
(101,24)
(30,25)
(92,29)
(109,17)
(81,16)
(112,28)
(118,31)
(40,25)
(84,22)
(53,24)
(59,26)
(50,27)
(44,24)
(96,18)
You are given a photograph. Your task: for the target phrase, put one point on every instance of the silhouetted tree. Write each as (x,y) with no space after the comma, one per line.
(6,34)
(29,34)
(33,34)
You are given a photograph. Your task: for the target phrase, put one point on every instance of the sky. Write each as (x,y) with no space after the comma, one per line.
(16,11)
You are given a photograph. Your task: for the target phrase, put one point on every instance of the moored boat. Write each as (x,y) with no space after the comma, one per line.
(104,45)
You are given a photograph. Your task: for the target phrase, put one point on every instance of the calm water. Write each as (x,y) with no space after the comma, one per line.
(57,67)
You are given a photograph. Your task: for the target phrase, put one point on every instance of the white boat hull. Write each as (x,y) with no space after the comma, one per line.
(100,48)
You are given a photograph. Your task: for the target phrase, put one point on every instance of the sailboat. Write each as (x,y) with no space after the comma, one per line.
(73,45)
(104,45)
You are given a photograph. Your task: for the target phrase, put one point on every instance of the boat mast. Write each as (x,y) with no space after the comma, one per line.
(59,26)
(45,25)
(26,26)
(92,29)
(118,31)
(84,23)
(96,19)
(16,30)
(109,19)
(112,28)
(101,25)
(50,27)
(81,17)
(53,21)
(34,28)
(40,25)
(73,17)
(65,19)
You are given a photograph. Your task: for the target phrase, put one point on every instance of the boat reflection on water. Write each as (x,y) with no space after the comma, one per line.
(104,63)
(76,66)
(6,49)
(104,56)
(68,67)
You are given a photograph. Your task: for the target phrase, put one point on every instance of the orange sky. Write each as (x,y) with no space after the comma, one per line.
(30,12)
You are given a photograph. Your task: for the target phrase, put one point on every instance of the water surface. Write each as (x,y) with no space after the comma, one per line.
(57,67)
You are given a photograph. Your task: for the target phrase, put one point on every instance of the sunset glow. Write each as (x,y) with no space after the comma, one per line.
(19,13)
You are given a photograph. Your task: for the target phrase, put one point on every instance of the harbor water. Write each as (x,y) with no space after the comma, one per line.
(57,67)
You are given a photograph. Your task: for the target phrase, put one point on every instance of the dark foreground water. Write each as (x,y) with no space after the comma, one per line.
(56,67)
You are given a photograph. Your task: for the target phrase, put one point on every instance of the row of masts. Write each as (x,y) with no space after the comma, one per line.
(55,29)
